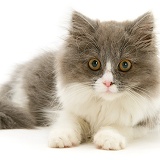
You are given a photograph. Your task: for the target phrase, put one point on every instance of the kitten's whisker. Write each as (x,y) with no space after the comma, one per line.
(133,97)
(143,92)
(143,89)
(78,89)
(136,95)
(139,89)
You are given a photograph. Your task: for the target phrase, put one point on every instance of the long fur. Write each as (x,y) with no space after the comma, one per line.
(61,90)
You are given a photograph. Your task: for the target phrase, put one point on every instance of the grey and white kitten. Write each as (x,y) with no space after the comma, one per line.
(104,83)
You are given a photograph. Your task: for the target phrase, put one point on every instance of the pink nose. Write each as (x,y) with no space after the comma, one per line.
(107,84)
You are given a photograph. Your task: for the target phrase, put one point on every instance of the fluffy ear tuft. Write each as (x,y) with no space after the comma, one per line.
(81,24)
(144,23)
(142,30)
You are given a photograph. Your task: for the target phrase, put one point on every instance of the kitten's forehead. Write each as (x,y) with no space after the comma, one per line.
(112,29)
(110,38)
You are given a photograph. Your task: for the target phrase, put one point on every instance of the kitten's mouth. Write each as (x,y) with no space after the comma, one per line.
(109,92)
(109,96)
(110,87)
(106,89)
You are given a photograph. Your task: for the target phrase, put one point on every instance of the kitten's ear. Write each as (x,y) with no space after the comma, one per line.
(144,23)
(81,24)
(142,29)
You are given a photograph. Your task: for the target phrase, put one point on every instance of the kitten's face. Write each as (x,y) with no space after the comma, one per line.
(111,57)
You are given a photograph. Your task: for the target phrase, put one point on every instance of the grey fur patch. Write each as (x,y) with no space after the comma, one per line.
(150,122)
(39,84)
(12,117)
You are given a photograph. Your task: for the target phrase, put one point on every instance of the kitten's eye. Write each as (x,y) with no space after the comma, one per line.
(125,65)
(94,64)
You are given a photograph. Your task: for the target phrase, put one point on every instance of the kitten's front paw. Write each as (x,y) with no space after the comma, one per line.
(60,138)
(109,140)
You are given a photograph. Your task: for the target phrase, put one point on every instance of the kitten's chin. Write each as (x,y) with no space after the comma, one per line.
(109,96)
(107,93)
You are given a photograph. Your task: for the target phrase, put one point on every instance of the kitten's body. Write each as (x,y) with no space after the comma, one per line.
(109,105)
(32,88)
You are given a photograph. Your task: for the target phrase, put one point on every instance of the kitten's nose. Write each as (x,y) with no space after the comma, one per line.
(107,83)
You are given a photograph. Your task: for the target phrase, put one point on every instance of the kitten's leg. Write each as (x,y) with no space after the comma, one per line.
(110,139)
(66,132)
(115,138)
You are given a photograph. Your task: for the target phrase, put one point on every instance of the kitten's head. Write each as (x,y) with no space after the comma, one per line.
(112,58)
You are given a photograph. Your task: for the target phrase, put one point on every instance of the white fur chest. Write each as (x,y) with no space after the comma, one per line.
(101,113)
(123,111)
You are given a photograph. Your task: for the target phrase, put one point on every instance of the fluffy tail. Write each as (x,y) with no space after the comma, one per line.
(12,117)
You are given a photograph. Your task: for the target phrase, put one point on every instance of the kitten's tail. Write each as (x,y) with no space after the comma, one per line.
(12,117)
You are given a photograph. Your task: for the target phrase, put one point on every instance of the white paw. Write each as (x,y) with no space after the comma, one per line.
(109,140)
(62,138)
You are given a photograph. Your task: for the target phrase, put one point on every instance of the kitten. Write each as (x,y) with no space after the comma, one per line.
(104,84)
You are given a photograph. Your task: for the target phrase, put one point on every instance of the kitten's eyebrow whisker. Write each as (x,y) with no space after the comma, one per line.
(89,41)
(89,37)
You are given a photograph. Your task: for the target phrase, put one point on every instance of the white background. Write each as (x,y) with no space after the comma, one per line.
(30,27)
